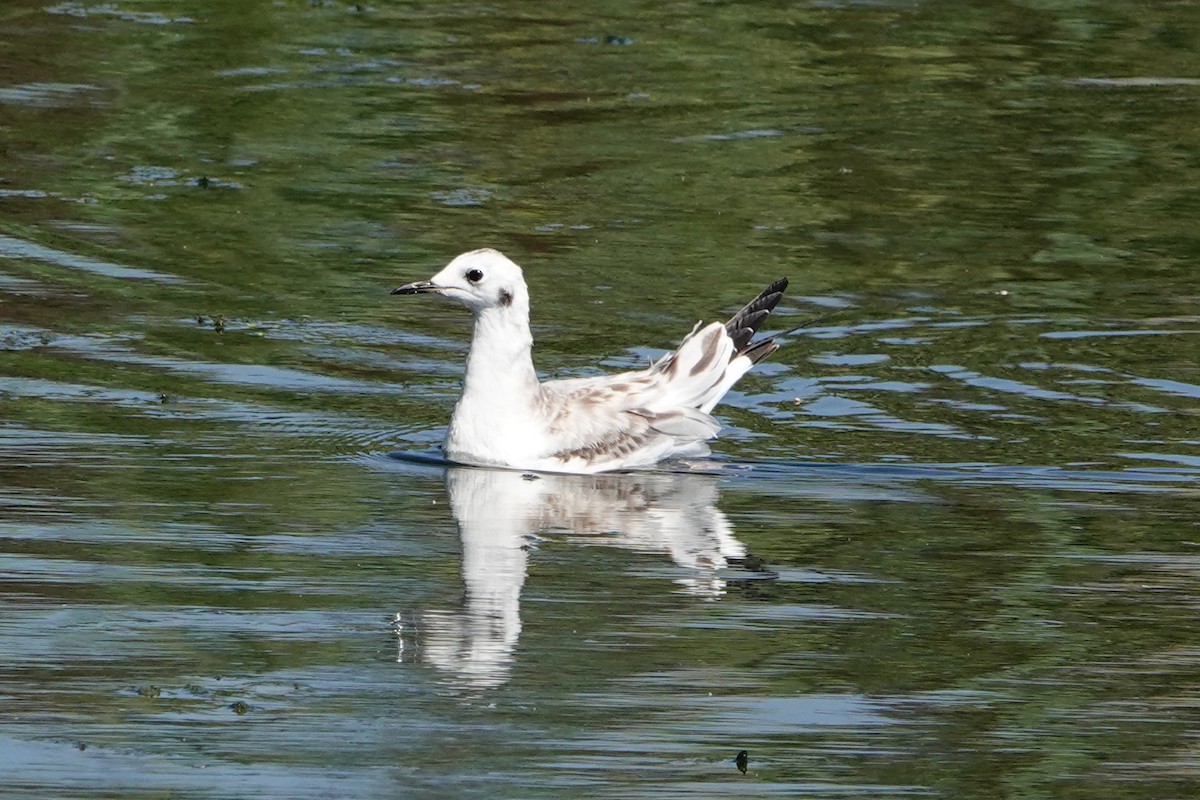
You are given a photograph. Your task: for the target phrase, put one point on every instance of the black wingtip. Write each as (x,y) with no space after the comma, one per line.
(744,324)
(757,351)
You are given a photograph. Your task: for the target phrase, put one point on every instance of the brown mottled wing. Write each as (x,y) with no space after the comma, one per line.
(601,420)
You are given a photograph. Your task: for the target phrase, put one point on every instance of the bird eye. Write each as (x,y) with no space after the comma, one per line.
(474,275)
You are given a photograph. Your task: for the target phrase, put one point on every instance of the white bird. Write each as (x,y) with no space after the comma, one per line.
(507,418)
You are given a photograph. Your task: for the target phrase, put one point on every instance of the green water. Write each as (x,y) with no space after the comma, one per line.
(951,546)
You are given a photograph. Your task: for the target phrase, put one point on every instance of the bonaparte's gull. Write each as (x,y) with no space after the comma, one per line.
(507,418)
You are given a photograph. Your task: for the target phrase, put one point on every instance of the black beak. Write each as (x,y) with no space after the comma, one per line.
(420,287)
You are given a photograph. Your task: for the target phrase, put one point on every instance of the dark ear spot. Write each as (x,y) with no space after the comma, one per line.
(505,297)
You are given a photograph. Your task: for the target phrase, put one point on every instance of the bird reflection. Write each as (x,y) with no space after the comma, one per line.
(499,513)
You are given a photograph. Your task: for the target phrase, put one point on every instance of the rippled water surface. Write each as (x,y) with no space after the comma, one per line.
(949,544)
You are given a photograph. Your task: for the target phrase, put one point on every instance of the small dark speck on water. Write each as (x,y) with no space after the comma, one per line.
(742,760)
(203,182)
(529,476)
(149,691)
(754,563)
(239,707)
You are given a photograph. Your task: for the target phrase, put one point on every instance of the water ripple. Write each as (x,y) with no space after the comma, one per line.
(20,249)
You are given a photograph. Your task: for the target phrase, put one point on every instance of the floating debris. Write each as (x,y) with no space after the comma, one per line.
(216,321)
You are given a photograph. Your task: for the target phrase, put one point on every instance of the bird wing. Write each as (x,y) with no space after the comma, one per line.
(637,418)
(597,424)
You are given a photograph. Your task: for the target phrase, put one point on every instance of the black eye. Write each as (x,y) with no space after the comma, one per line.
(474,275)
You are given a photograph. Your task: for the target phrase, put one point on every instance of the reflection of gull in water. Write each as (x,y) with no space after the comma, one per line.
(498,512)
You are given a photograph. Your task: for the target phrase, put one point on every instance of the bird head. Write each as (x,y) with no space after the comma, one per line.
(480,280)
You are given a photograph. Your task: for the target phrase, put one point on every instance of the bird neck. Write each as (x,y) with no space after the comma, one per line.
(500,363)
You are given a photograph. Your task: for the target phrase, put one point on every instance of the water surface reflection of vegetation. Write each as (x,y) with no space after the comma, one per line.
(950,550)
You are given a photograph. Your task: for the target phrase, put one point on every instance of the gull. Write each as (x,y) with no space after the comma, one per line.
(507,418)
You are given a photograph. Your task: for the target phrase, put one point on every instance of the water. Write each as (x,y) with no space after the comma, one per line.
(948,549)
